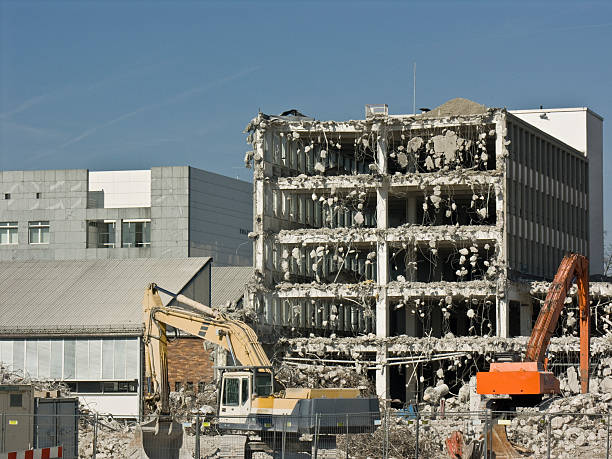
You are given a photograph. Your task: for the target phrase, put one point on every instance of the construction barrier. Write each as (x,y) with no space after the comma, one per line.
(54,452)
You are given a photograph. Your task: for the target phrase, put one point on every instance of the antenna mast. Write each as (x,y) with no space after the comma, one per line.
(414,91)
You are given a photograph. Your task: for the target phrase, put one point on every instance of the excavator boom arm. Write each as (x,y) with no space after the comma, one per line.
(233,335)
(573,266)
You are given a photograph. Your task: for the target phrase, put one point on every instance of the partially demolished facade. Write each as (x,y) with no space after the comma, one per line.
(420,225)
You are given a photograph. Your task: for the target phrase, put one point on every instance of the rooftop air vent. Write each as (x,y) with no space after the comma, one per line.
(376,110)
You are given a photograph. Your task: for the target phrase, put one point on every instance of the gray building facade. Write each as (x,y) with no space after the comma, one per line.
(164,212)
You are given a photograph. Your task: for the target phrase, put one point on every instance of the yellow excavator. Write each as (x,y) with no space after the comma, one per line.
(249,404)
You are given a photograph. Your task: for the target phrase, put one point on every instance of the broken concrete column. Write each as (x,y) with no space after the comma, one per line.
(502,313)
(382,373)
(526,317)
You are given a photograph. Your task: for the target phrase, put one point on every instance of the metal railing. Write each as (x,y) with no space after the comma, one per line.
(390,434)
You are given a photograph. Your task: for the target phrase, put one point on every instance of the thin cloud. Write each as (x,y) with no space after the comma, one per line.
(170,100)
(31,102)
(29,130)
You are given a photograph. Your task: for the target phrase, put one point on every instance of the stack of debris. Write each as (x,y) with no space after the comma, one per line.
(320,376)
(44,388)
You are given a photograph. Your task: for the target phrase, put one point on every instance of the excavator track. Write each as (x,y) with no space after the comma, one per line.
(232,446)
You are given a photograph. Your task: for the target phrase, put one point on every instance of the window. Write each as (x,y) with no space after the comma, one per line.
(201,387)
(8,233)
(7,195)
(101,234)
(189,386)
(16,401)
(38,195)
(245,390)
(263,384)
(39,232)
(230,392)
(136,233)
(177,386)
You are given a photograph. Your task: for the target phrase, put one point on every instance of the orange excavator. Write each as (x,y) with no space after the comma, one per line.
(523,383)
(527,381)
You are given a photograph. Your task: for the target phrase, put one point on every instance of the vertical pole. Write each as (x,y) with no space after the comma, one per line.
(548,436)
(608,440)
(197,436)
(485,435)
(347,436)
(316,437)
(284,438)
(386,437)
(95,436)
(414,90)
(416,451)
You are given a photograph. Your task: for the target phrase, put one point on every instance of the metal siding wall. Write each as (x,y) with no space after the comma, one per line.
(107,358)
(57,354)
(73,359)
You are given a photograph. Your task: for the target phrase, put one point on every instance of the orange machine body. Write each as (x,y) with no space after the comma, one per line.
(530,377)
(516,378)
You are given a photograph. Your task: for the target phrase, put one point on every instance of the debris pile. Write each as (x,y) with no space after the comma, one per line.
(11,377)
(114,439)
(186,403)
(319,376)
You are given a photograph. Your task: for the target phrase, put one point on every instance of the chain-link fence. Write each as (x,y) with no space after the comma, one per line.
(391,434)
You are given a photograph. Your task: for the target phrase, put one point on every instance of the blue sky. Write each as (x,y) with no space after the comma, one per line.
(130,85)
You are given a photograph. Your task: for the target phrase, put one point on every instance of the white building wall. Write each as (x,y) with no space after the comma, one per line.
(581,129)
(80,359)
(118,405)
(122,188)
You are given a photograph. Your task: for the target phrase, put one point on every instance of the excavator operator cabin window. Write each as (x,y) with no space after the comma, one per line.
(263,384)
(245,390)
(231,392)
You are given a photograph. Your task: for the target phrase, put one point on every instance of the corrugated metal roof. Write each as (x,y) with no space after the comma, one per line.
(228,284)
(85,295)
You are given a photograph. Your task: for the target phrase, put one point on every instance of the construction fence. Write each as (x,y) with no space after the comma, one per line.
(391,434)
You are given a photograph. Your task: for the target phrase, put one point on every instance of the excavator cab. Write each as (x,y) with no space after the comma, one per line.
(239,387)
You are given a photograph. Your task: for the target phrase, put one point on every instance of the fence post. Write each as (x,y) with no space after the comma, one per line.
(416,451)
(386,433)
(548,425)
(284,437)
(95,436)
(197,436)
(346,441)
(608,440)
(485,449)
(316,436)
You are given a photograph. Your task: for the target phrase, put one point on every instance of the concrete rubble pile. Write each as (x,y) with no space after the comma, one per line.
(114,439)
(185,403)
(117,440)
(319,376)
(11,377)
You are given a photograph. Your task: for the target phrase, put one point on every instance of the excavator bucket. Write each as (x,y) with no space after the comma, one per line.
(160,438)
(501,446)
(458,448)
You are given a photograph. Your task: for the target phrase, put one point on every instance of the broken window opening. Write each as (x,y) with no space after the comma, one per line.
(320,153)
(439,263)
(329,264)
(442,149)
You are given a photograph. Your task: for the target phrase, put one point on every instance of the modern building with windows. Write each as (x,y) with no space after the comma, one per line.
(161,212)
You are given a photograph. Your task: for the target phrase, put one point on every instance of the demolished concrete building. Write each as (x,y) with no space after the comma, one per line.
(425,225)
